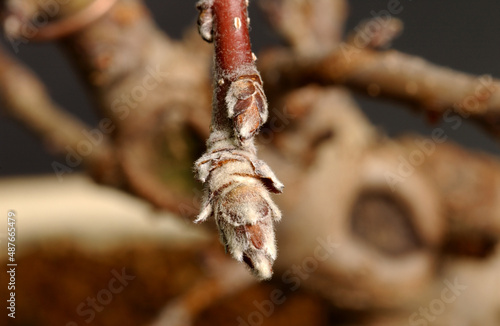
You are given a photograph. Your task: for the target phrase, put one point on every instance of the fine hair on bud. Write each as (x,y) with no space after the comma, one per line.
(237,187)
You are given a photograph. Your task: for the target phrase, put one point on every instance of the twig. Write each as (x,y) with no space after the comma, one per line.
(59,28)
(392,75)
(312,27)
(372,34)
(236,182)
(143,87)
(25,99)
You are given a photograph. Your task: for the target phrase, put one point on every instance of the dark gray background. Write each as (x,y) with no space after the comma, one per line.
(462,35)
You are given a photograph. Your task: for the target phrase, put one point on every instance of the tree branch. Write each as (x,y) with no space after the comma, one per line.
(232,54)
(25,99)
(312,27)
(236,182)
(57,29)
(391,75)
(225,278)
(145,91)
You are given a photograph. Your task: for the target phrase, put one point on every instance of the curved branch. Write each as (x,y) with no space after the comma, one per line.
(312,27)
(392,75)
(57,29)
(25,99)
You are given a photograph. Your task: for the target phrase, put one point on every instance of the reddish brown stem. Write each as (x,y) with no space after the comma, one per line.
(233,53)
(229,169)
(232,44)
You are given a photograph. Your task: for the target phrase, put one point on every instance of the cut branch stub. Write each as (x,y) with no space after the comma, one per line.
(237,183)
